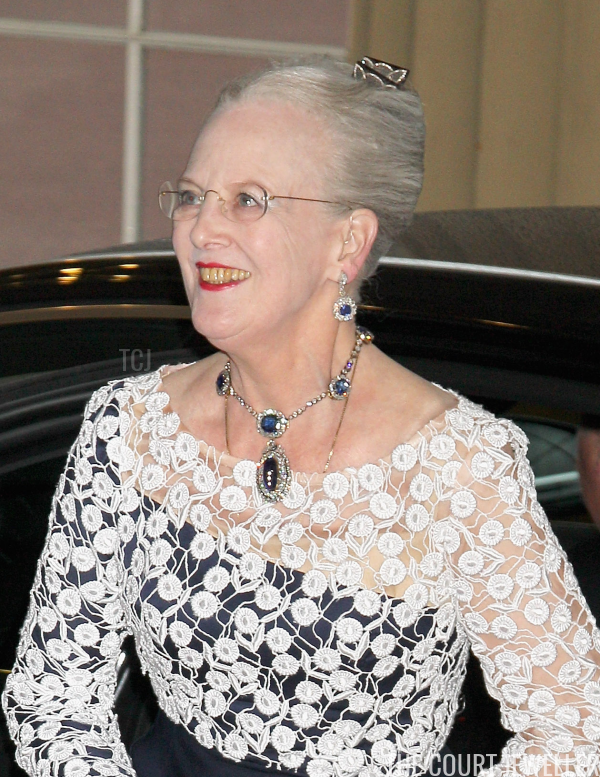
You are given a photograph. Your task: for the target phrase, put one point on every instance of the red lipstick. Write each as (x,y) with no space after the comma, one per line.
(212,286)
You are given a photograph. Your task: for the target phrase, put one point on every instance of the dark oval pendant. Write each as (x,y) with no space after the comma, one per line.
(273,476)
(270,471)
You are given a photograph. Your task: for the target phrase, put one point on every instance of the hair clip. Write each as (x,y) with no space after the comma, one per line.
(380,73)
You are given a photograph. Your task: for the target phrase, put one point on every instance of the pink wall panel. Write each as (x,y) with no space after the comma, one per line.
(61,112)
(112,13)
(308,21)
(181,89)
(61,116)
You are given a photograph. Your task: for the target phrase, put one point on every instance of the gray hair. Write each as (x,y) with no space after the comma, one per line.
(379,136)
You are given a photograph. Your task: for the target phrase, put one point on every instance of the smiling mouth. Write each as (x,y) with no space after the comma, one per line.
(218,276)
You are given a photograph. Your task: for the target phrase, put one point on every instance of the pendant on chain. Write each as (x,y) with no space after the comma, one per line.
(274,474)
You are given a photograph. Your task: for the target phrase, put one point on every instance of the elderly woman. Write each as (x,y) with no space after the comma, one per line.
(303,537)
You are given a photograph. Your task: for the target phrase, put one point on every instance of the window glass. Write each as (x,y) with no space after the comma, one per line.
(111,13)
(553,456)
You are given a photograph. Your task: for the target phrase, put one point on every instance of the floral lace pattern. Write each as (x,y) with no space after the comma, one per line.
(327,634)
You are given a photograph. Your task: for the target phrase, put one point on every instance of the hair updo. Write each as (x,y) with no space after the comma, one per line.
(378,136)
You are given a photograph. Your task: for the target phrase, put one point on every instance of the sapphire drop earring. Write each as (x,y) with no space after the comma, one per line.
(344,308)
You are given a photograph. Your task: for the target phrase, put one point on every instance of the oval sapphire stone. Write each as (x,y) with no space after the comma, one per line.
(269,424)
(221,382)
(345,310)
(341,387)
(270,473)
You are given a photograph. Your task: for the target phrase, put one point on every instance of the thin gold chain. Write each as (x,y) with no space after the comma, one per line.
(226,432)
(254,413)
(337,431)
(339,426)
(344,372)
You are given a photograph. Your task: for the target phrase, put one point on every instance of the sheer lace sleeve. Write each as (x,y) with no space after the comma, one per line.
(58,699)
(521,607)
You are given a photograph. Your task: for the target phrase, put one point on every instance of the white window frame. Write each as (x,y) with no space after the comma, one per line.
(136,40)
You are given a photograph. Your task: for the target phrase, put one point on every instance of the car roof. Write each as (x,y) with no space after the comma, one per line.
(563,240)
(511,266)
(434,293)
(552,240)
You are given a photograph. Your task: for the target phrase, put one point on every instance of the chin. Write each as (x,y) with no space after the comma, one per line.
(220,328)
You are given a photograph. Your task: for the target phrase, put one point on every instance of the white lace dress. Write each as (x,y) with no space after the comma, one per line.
(324,635)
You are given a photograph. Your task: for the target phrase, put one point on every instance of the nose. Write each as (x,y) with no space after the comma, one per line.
(210,225)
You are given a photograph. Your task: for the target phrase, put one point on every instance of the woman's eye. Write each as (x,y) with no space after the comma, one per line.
(190,198)
(245,200)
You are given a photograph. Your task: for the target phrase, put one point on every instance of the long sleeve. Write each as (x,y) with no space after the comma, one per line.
(518,600)
(58,699)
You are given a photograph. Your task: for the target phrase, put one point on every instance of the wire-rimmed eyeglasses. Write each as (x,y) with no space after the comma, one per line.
(246,202)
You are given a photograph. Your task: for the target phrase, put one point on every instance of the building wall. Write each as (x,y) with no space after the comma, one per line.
(510,89)
(62,105)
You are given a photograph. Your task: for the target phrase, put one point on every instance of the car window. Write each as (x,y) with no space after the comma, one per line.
(552,453)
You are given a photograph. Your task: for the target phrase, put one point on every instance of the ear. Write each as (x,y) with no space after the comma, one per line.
(359,233)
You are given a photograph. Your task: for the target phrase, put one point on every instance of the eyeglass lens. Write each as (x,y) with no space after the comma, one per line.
(243,203)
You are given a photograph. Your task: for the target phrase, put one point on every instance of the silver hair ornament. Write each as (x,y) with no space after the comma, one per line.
(380,73)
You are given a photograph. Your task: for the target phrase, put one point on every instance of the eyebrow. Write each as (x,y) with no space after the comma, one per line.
(183,179)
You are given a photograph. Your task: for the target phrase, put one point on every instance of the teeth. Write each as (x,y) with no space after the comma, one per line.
(220,275)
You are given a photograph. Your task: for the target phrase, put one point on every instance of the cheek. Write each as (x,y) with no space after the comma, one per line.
(190,279)
(180,239)
(299,254)
(181,246)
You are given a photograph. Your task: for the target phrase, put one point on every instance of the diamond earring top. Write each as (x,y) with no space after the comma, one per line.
(344,308)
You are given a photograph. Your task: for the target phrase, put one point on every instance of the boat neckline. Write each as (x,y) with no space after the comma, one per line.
(230,461)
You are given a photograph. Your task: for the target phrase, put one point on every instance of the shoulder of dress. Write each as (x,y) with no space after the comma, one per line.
(507,430)
(102,397)
(489,429)
(517,436)
(115,392)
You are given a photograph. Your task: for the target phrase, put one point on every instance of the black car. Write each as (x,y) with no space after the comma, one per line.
(502,306)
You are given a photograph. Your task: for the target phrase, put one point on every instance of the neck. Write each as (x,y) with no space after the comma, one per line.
(287,370)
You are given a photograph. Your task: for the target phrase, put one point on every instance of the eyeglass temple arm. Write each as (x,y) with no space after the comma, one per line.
(305,199)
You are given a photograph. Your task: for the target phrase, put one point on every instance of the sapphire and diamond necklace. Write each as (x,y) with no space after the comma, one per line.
(274,475)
